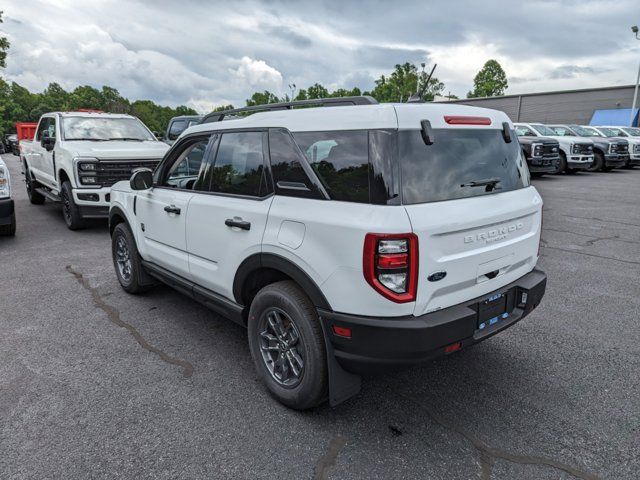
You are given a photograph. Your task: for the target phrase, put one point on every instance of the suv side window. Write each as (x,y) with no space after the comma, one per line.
(341,161)
(176,129)
(239,166)
(185,170)
(288,173)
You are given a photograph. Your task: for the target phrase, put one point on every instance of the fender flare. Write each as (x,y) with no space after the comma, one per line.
(113,211)
(281,264)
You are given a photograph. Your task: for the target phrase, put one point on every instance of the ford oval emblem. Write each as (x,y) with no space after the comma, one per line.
(434,277)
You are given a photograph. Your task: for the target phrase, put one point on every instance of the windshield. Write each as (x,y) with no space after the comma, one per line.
(523,131)
(543,130)
(633,131)
(460,163)
(586,132)
(104,128)
(612,132)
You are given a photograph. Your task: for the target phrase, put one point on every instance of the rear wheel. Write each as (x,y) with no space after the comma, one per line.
(70,210)
(598,163)
(9,230)
(287,345)
(34,197)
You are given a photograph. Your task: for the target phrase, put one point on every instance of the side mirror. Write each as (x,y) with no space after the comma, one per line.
(47,142)
(142,179)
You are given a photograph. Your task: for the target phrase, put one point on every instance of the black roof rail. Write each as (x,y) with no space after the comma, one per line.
(320,102)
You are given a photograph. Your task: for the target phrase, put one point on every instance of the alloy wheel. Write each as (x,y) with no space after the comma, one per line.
(281,347)
(123,259)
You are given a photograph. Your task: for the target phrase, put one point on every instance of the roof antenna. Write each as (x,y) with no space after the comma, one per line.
(418,97)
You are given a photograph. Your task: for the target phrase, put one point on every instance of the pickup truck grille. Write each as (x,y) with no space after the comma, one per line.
(623,148)
(551,150)
(113,171)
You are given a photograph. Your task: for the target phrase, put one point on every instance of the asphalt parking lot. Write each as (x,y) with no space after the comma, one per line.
(95,383)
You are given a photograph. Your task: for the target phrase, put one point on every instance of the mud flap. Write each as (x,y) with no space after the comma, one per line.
(342,384)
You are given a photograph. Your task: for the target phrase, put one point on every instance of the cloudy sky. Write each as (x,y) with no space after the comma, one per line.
(206,53)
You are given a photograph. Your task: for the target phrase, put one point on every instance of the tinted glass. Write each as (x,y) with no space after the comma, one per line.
(104,128)
(286,167)
(239,165)
(177,128)
(444,170)
(341,161)
(185,170)
(384,176)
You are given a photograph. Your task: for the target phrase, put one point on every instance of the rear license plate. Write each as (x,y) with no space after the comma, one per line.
(492,310)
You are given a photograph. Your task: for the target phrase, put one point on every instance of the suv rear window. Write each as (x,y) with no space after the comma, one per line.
(443,170)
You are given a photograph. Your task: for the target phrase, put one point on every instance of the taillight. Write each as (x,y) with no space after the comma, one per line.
(390,263)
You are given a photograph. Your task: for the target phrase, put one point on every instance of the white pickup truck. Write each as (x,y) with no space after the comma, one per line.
(75,157)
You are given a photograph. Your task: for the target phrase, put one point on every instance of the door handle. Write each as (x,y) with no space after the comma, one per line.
(172,209)
(237,222)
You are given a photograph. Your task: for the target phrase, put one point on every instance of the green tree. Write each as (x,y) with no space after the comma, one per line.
(262,98)
(403,82)
(4,47)
(491,81)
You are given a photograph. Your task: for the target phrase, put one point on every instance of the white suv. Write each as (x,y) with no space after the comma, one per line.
(346,239)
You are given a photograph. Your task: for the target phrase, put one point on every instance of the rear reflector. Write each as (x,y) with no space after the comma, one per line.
(341,331)
(465,120)
(454,347)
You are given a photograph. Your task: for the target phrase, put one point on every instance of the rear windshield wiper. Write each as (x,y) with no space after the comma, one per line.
(490,183)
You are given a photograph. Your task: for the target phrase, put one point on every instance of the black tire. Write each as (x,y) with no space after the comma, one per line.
(34,197)
(137,280)
(70,210)
(598,163)
(299,317)
(9,230)
(562,164)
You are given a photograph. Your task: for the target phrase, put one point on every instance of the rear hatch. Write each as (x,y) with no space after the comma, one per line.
(477,218)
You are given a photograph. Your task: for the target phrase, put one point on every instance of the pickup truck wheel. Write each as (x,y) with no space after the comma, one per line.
(562,164)
(70,210)
(34,197)
(9,230)
(598,163)
(127,261)
(287,345)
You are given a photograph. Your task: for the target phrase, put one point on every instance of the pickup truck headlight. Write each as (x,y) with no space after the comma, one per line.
(636,148)
(86,172)
(613,147)
(537,149)
(575,148)
(5,185)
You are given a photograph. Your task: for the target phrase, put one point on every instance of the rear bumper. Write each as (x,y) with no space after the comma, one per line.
(377,343)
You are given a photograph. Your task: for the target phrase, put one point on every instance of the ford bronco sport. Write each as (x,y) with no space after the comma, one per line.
(345,238)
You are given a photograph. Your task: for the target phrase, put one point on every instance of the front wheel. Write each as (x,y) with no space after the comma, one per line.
(127,261)
(598,163)
(287,345)
(562,164)
(70,210)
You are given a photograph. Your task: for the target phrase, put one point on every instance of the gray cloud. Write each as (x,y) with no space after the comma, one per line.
(205,53)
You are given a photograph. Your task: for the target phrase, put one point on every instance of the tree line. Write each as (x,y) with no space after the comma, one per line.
(19,104)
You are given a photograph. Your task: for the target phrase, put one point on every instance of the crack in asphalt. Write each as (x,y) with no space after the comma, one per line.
(630,262)
(603,221)
(114,316)
(328,460)
(595,238)
(489,455)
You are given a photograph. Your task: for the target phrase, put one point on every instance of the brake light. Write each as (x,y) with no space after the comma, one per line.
(466,120)
(390,265)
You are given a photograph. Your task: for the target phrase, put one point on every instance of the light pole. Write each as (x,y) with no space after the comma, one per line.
(292,86)
(634,29)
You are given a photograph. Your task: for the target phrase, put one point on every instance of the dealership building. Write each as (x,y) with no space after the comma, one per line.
(595,106)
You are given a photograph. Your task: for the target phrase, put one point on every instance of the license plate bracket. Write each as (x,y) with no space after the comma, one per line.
(491,310)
